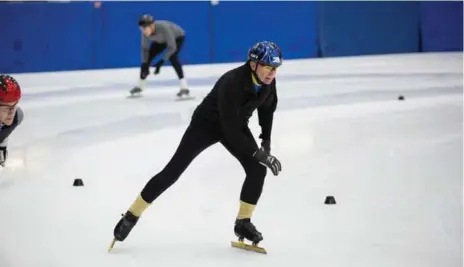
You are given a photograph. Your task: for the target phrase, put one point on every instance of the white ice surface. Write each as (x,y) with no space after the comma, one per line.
(394,167)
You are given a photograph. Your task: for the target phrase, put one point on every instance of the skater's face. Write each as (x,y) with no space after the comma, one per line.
(149,30)
(266,74)
(7,112)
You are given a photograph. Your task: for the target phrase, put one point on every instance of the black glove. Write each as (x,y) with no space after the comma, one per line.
(266,145)
(3,155)
(144,70)
(158,66)
(268,160)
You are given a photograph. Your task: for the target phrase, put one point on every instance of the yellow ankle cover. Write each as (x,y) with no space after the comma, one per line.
(246,210)
(139,206)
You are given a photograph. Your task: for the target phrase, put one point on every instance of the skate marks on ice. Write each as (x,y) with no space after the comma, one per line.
(184,98)
(119,129)
(174,98)
(209,81)
(22,162)
(134,96)
(304,99)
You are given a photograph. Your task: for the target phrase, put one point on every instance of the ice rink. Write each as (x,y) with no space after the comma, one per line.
(394,167)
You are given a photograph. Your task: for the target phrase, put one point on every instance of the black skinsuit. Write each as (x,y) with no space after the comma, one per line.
(223,117)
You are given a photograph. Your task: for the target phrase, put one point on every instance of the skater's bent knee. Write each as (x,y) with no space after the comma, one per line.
(256,170)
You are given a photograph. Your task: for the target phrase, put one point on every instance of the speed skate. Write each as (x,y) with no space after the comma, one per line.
(136,91)
(184,94)
(253,247)
(138,94)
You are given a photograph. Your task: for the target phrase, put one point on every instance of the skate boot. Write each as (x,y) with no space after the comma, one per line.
(124,226)
(183,92)
(245,229)
(136,90)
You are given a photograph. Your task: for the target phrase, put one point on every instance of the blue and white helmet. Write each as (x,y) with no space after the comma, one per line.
(265,53)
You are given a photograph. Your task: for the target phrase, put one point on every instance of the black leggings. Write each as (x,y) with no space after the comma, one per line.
(157,48)
(195,140)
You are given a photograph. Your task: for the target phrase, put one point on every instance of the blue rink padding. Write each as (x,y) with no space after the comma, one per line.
(62,36)
(368,28)
(441,26)
(237,25)
(37,37)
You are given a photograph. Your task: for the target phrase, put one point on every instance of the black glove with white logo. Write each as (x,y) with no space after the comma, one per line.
(3,155)
(268,160)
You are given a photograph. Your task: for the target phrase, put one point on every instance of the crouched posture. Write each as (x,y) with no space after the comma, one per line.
(10,114)
(223,117)
(163,35)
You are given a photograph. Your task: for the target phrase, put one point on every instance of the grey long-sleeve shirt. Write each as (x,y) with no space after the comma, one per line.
(165,32)
(6,130)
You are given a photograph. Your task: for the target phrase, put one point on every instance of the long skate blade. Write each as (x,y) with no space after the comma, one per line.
(135,95)
(242,245)
(111,245)
(183,98)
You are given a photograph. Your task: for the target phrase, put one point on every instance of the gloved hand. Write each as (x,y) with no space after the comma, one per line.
(144,70)
(268,160)
(266,145)
(3,155)
(158,66)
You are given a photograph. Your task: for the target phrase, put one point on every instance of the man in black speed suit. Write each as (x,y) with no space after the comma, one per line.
(223,117)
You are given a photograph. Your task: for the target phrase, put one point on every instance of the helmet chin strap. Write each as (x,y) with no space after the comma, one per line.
(253,72)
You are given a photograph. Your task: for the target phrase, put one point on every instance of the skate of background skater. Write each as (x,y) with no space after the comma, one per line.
(163,35)
(11,115)
(223,117)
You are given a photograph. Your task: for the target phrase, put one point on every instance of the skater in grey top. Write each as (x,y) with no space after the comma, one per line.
(158,36)
(10,114)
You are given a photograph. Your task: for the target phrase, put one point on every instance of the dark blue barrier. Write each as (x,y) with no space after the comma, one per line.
(45,37)
(441,26)
(237,25)
(76,36)
(366,28)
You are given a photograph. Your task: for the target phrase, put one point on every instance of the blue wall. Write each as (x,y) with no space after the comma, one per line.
(45,37)
(39,36)
(441,26)
(291,25)
(360,28)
